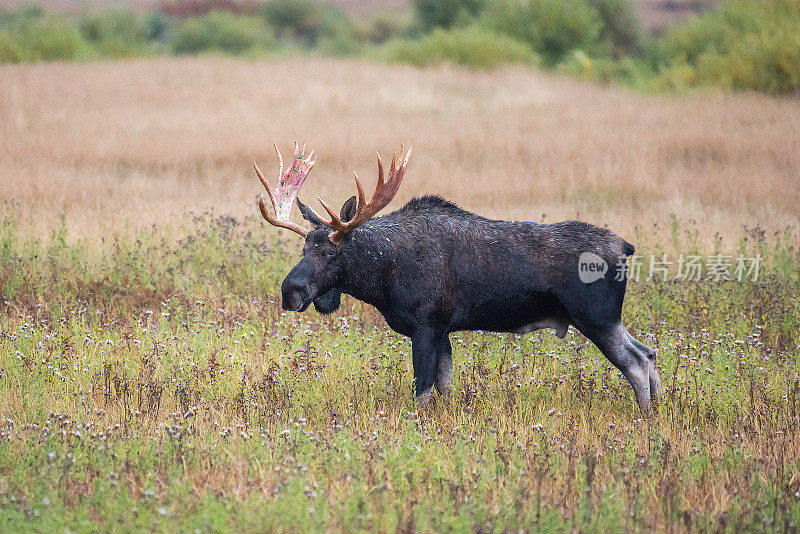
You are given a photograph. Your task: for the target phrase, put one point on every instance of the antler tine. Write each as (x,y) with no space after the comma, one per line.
(289,183)
(385,191)
(362,199)
(280,161)
(289,225)
(393,166)
(380,169)
(399,165)
(265,182)
(335,222)
(408,155)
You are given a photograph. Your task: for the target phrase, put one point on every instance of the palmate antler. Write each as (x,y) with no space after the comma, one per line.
(384,193)
(289,185)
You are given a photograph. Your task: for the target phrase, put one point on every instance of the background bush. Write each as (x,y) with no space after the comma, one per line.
(220,31)
(740,45)
(620,25)
(30,34)
(445,14)
(472,46)
(551,28)
(51,39)
(10,51)
(382,27)
(118,33)
(307,22)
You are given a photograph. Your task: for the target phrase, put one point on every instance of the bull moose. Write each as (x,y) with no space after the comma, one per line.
(431,268)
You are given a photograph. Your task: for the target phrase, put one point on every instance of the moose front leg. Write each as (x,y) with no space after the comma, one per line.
(425,358)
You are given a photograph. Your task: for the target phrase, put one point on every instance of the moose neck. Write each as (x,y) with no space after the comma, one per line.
(368,256)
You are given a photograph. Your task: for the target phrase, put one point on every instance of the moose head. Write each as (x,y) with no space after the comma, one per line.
(316,277)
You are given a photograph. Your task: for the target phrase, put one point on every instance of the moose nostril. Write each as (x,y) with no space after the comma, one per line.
(289,303)
(292,297)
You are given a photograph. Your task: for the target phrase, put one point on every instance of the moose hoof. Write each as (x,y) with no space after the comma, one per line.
(424,401)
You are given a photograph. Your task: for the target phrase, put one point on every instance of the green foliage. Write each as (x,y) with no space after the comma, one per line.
(118,33)
(620,25)
(25,13)
(156,26)
(628,71)
(220,31)
(51,39)
(445,14)
(767,61)
(552,28)
(337,35)
(10,51)
(307,22)
(741,45)
(30,34)
(717,30)
(383,26)
(471,46)
(298,18)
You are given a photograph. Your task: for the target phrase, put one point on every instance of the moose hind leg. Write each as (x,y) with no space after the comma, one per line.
(650,354)
(615,343)
(444,372)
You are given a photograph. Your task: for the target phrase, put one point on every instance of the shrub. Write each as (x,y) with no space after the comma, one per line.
(767,61)
(716,30)
(383,26)
(628,70)
(51,39)
(219,31)
(620,25)
(446,14)
(336,34)
(156,26)
(10,51)
(552,28)
(116,33)
(472,46)
(22,16)
(307,21)
(741,45)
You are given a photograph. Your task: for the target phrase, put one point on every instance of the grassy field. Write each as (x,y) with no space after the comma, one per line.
(137,143)
(150,381)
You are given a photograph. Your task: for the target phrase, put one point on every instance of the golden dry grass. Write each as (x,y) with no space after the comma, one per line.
(144,142)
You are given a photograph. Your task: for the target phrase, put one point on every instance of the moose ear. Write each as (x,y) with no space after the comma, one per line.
(308,214)
(349,209)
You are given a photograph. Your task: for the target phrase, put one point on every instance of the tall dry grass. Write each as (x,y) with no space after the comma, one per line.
(144,142)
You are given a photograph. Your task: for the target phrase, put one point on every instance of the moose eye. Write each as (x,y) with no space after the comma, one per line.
(331,253)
